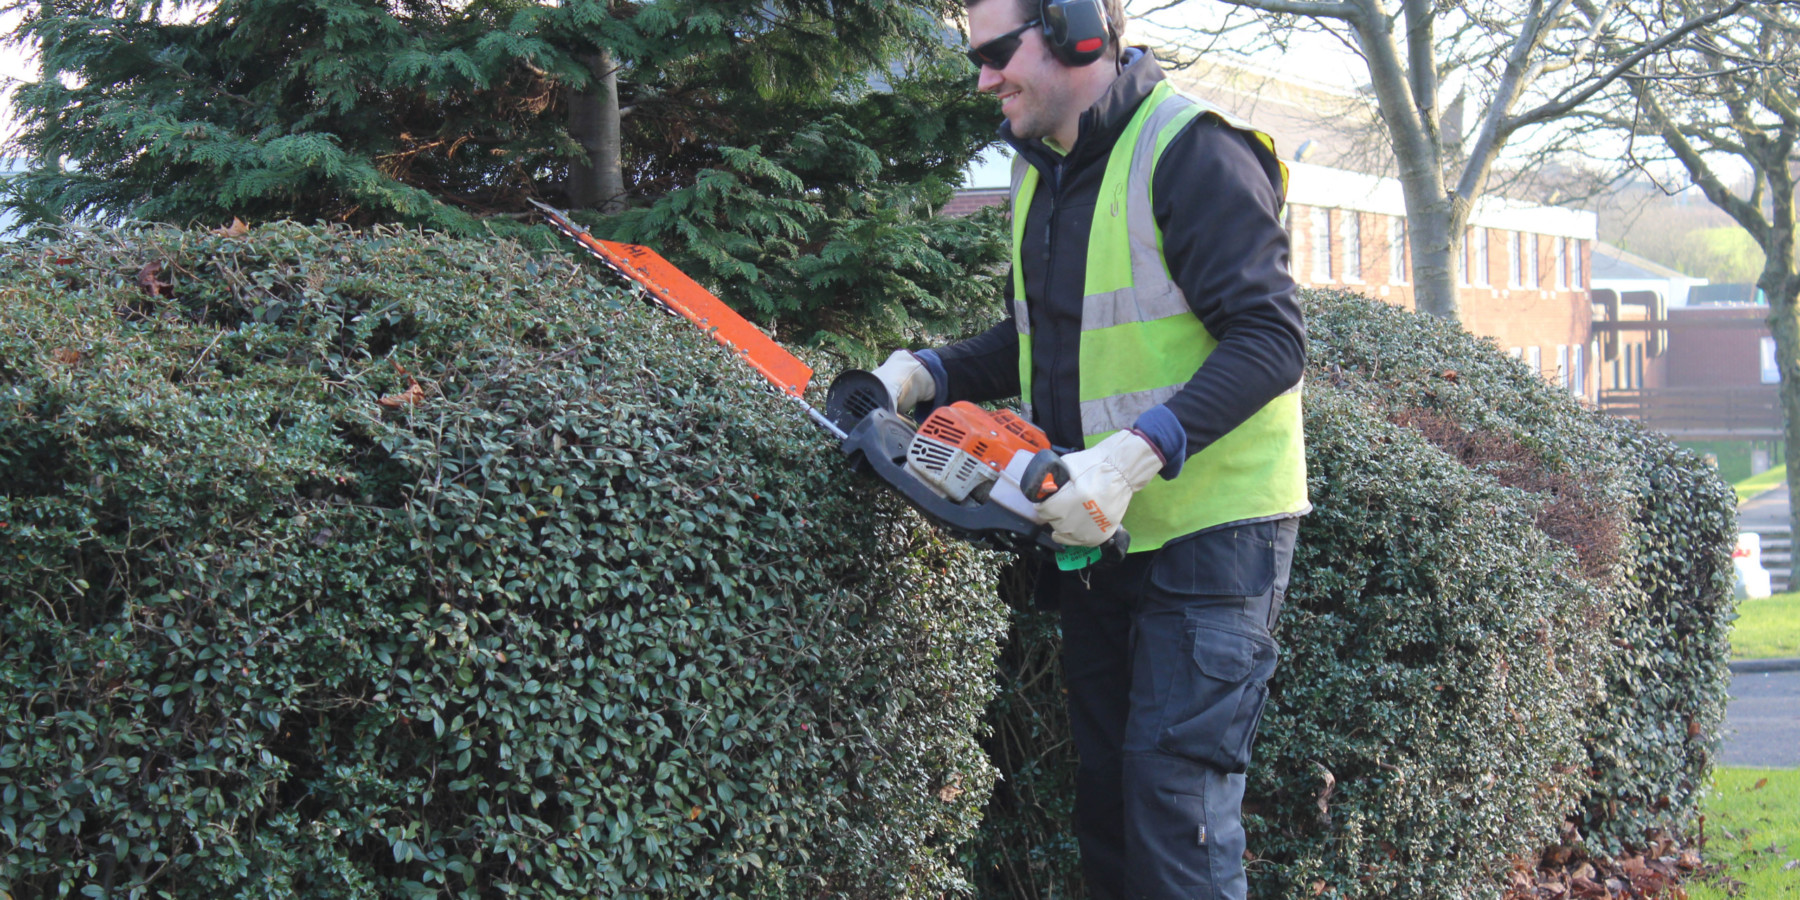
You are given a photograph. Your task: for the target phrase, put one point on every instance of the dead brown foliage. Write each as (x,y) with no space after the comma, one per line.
(1574,515)
(1566,871)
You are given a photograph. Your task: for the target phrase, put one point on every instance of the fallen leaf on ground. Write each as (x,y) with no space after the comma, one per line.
(237,228)
(66,356)
(1760,784)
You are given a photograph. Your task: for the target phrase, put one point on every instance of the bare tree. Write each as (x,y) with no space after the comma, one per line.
(1722,99)
(1514,69)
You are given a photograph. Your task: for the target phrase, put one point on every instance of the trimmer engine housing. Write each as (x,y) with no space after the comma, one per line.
(961,448)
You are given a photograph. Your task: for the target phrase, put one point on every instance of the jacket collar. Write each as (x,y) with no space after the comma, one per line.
(1103,122)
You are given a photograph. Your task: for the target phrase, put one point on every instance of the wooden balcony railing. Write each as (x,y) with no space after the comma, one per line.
(1701,413)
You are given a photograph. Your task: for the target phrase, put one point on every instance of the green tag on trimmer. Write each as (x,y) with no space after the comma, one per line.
(1069,559)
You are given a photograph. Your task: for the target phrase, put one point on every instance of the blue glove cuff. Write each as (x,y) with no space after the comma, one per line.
(1160,427)
(939,377)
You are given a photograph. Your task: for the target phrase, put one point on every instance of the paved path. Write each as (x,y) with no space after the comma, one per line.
(1765,510)
(1762,724)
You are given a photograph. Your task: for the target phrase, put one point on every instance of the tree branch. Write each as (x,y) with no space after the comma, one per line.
(1556,109)
(1750,217)
(1309,8)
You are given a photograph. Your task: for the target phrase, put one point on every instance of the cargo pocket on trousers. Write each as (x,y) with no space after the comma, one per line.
(1215,705)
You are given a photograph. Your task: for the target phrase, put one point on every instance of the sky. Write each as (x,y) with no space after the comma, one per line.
(15,64)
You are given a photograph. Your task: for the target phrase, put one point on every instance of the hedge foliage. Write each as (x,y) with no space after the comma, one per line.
(388,565)
(1505,630)
(383,564)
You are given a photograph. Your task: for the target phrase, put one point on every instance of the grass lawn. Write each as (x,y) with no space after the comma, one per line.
(1767,628)
(1756,484)
(1754,832)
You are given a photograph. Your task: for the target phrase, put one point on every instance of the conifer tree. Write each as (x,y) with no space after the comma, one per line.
(790,153)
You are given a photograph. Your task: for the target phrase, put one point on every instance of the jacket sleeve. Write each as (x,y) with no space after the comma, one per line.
(1215,200)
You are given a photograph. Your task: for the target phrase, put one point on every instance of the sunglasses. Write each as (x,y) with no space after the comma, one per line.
(995,54)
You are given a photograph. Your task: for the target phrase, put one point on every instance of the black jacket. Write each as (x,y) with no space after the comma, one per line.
(1217,202)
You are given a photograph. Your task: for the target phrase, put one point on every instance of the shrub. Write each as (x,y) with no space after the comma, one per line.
(1505,620)
(386,564)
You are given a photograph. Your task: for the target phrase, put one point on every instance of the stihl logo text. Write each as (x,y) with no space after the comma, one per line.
(1100,520)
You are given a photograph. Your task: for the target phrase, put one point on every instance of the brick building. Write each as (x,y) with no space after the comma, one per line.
(1522,275)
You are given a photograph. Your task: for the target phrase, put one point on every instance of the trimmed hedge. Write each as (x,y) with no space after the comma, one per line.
(584,609)
(1505,629)
(589,612)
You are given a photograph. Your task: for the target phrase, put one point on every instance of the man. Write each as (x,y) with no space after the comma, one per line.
(1153,323)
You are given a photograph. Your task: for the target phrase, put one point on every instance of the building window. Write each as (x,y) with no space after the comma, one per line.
(1562,365)
(1396,250)
(1562,271)
(1515,261)
(1577,377)
(1534,360)
(1352,245)
(1321,245)
(1531,262)
(1575,280)
(1462,259)
(1479,257)
(1771,373)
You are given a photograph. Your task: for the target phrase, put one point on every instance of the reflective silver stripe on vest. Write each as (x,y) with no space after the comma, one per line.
(1109,414)
(1153,294)
(1021,318)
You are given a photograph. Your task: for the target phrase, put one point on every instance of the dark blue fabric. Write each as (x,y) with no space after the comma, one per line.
(1160,427)
(929,359)
(1167,658)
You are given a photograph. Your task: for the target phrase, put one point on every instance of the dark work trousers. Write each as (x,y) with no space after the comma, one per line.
(1167,657)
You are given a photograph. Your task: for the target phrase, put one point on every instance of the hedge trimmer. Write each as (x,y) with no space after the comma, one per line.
(974,473)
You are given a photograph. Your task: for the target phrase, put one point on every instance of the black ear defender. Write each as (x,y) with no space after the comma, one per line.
(1075,30)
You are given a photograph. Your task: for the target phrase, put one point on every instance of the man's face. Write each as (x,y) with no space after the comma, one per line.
(1036,92)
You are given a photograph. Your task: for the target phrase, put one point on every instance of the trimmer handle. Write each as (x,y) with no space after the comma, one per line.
(1045,475)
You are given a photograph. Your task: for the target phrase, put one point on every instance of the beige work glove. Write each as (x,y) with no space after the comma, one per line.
(1087,510)
(907,381)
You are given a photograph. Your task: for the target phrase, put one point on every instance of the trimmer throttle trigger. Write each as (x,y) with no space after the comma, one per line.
(1044,475)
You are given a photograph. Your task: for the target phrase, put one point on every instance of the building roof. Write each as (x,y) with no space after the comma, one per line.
(1613,263)
(1310,121)
(1611,267)
(1704,294)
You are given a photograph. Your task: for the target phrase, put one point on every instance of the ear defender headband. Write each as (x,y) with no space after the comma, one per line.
(1075,30)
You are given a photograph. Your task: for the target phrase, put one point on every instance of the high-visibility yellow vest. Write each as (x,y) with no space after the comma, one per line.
(1141,343)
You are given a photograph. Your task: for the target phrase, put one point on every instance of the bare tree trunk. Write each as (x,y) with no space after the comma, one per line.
(1780,283)
(599,181)
(1435,244)
(1407,97)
